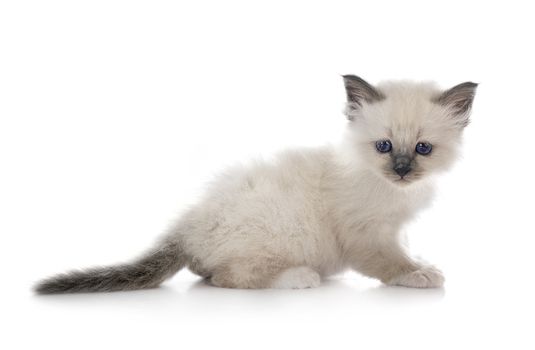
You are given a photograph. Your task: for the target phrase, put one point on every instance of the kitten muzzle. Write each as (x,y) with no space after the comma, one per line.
(402,165)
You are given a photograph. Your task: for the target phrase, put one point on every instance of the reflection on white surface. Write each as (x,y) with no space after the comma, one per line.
(196,297)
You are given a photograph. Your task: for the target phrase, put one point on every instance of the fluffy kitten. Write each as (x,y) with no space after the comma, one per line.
(313,213)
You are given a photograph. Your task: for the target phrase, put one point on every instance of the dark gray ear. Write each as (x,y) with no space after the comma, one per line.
(459,98)
(359,91)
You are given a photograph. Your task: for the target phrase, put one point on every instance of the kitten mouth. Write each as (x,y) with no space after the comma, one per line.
(406,180)
(402,180)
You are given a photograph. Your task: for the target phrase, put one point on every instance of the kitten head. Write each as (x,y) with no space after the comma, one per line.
(406,131)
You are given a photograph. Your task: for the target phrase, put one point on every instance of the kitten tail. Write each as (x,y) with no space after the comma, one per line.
(149,271)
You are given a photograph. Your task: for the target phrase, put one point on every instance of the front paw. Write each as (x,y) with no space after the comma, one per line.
(424,277)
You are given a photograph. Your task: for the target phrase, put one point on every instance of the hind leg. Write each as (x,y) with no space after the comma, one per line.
(264,273)
(297,278)
(247,273)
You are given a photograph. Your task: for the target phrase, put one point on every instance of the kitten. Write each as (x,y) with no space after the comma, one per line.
(313,213)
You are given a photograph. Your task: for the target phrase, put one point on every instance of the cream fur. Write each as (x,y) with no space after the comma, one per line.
(311,213)
(327,209)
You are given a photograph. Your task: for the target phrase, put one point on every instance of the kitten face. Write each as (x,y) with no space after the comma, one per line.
(406,131)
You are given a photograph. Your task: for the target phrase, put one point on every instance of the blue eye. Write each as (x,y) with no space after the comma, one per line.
(383,146)
(423,148)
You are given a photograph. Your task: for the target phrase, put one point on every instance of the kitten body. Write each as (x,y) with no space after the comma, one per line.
(308,214)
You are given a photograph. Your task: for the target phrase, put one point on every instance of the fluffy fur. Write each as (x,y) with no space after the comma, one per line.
(312,213)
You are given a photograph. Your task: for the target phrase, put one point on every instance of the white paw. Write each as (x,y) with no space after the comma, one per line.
(297,278)
(425,277)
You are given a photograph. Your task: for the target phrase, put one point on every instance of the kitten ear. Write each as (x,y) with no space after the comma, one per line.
(359,91)
(459,99)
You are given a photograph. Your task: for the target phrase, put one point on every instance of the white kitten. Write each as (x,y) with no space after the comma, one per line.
(313,213)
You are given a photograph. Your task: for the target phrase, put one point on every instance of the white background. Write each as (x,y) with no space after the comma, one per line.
(115,113)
